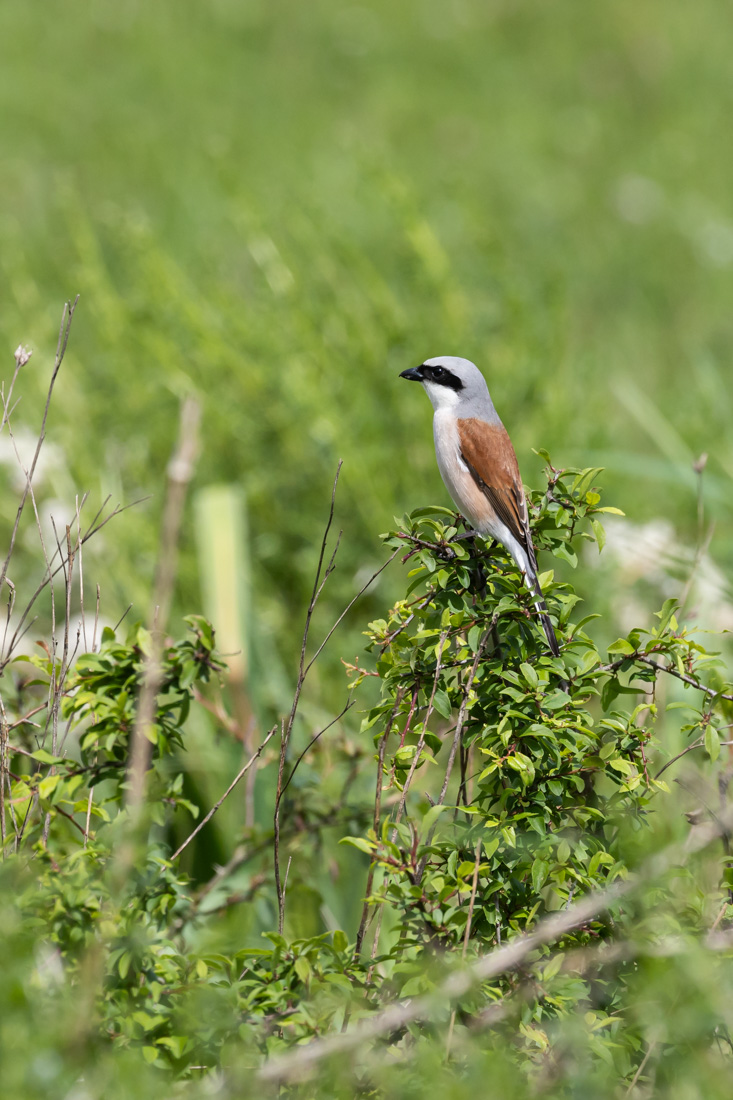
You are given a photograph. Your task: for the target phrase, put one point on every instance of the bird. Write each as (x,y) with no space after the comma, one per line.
(478,464)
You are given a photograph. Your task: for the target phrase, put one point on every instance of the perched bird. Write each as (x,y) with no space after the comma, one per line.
(478,464)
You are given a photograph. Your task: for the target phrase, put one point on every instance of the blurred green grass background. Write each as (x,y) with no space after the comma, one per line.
(279,206)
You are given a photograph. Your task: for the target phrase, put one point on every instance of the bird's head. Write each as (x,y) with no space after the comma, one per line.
(450,382)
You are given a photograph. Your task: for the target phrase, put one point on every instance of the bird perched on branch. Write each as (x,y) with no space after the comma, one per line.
(478,464)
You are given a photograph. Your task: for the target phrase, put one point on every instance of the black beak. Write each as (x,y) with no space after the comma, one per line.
(414,374)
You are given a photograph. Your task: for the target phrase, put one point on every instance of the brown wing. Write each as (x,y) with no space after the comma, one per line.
(487,451)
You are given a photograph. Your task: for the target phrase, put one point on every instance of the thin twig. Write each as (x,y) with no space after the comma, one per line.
(22,355)
(457,735)
(467,934)
(421,739)
(377,815)
(94,527)
(640,1070)
(285,880)
(3,767)
(242,772)
(96,619)
(347,707)
(683,676)
(88,819)
(81,572)
(66,319)
(350,604)
(287,725)
(695,745)
(409,777)
(303,670)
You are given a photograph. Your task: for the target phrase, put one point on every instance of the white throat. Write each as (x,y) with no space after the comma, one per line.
(441,397)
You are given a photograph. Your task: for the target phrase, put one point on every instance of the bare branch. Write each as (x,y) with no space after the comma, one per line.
(242,772)
(695,745)
(66,319)
(22,629)
(349,606)
(347,706)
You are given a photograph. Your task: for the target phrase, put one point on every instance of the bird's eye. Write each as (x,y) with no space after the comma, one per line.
(438,372)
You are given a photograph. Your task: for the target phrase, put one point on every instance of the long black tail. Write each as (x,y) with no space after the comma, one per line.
(534,585)
(548,628)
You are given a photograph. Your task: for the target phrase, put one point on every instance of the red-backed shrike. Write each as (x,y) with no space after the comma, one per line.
(478,464)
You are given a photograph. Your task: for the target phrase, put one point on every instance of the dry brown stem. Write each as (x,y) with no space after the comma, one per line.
(66,319)
(179,474)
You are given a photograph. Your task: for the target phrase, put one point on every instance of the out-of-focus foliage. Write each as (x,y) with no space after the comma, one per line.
(280,205)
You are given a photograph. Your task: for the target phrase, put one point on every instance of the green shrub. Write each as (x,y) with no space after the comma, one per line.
(531,905)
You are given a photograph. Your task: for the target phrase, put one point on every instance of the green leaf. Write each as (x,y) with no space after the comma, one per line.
(303,969)
(599,532)
(530,675)
(442,703)
(146,1021)
(46,757)
(540,871)
(622,645)
(48,785)
(360,843)
(433,742)
(553,967)
(177,1044)
(564,550)
(620,765)
(340,941)
(490,848)
(430,819)
(435,510)
(712,743)
(585,478)
(665,615)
